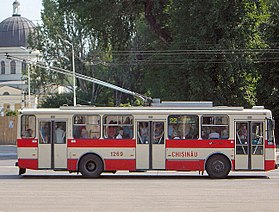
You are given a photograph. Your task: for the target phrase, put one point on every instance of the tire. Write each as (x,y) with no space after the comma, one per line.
(91,166)
(218,166)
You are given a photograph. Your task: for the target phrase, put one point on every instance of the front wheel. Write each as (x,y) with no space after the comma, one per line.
(91,166)
(218,166)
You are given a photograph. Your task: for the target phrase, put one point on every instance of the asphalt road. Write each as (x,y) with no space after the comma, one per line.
(152,191)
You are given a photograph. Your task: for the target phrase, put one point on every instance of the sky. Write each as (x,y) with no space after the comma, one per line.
(30,9)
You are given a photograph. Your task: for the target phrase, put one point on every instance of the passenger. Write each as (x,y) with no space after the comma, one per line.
(84,133)
(224,133)
(158,134)
(213,135)
(45,133)
(111,130)
(127,130)
(242,132)
(29,133)
(144,132)
(60,135)
(120,134)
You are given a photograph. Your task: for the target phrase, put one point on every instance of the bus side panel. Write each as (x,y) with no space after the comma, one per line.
(110,165)
(114,165)
(28,163)
(270,157)
(27,151)
(190,155)
(116,154)
(72,164)
(185,165)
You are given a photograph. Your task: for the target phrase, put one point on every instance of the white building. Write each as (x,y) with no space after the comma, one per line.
(14,32)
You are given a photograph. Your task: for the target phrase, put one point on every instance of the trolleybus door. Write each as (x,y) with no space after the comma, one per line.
(150,149)
(52,144)
(249,150)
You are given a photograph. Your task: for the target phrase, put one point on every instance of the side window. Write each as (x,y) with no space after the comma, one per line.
(86,127)
(215,127)
(270,132)
(28,126)
(183,127)
(45,127)
(118,127)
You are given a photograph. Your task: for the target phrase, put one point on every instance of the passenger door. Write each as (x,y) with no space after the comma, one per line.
(249,150)
(52,147)
(150,149)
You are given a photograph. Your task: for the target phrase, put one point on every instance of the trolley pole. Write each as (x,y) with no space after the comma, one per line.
(74,71)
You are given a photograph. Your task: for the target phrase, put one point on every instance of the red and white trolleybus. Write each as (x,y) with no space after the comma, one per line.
(167,136)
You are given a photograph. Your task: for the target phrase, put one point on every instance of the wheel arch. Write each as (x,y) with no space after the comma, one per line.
(220,154)
(89,153)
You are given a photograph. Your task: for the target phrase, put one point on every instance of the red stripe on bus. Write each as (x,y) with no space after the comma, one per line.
(185,165)
(269,165)
(199,143)
(101,143)
(72,164)
(269,146)
(28,163)
(27,142)
(233,165)
(125,164)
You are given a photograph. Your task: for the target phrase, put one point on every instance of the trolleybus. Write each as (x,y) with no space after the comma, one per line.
(167,136)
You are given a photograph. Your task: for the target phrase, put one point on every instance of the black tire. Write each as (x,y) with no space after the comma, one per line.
(218,166)
(91,166)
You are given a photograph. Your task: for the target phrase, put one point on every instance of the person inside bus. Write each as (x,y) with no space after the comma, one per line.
(111,130)
(28,133)
(120,134)
(213,135)
(224,133)
(83,133)
(45,133)
(60,135)
(143,128)
(242,132)
(158,134)
(127,130)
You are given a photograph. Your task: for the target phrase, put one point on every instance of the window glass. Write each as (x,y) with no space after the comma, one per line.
(45,128)
(13,67)
(28,123)
(118,127)
(86,127)
(270,132)
(215,127)
(257,138)
(60,132)
(2,67)
(183,127)
(23,66)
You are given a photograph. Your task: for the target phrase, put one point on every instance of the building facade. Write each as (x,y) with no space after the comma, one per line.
(14,34)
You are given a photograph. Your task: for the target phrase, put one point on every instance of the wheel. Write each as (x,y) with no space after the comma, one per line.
(218,166)
(91,166)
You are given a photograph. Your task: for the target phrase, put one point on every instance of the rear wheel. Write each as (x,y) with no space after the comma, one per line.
(218,166)
(91,166)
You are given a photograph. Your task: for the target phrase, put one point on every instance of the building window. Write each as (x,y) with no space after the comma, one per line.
(6,93)
(2,67)
(23,66)
(13,67)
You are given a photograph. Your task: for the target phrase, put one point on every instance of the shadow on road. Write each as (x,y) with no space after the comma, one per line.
(132,177)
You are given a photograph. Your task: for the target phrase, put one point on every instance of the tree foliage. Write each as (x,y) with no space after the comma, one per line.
(172,49)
